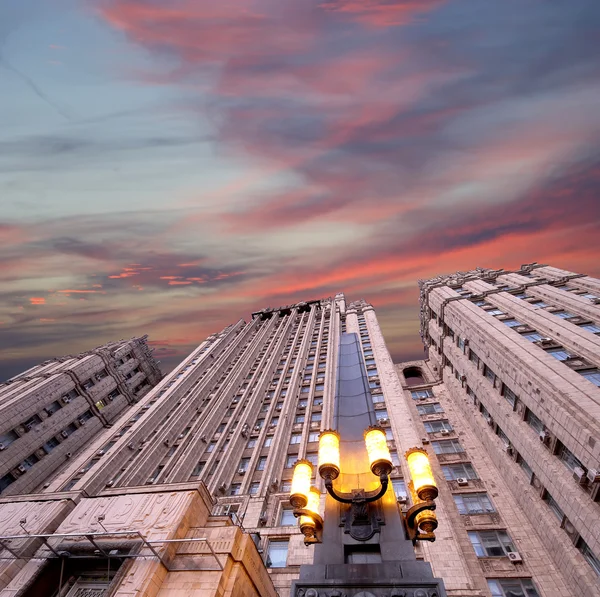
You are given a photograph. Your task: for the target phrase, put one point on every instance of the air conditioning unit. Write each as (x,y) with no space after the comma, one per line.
(100,453)
(2,446)
(81,421)
(241,471)
(463,378)
(514,557)
(580,475)
(462,481)
(402,499)
(64,434)
(82,471)
(424,440)
(203,438)
(423,398)
(69,454)
(21,468)
(28,426)
(544,435)
(110,484)
(223,487)
(593,475)
(65,400)
(490,421)
(508,449)
(383,421)
(445,432)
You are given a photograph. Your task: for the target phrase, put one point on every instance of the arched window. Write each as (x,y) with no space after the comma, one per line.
(413,376)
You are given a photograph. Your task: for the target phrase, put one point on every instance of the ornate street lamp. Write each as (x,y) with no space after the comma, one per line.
(419,521)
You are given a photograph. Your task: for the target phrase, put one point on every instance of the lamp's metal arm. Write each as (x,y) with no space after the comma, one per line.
(349,498)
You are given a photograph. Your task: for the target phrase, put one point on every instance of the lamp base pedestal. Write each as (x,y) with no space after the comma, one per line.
(387,579)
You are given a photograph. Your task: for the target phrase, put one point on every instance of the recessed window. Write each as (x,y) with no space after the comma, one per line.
(277,554)
(560,354)
(268,441)
(463,470)
(253,490)
(450,446)
(291,460)
(381,414)
(592,559)
(262,462)
(591,327)
(287,518)
(244,463)
(437,426)
(553,505)
(509,395)
(299,419)
(491,544)
(512,587)
(429,409)
(532,336)
(235,489)
(416,394)
(563,314)
(511,323)
(592,375)
(568,458)
(316,417)
(496,312)
(533,421)
(489,374)
(313,458)
(295,438)
(400,488)
(251,443)
(313,436)
(473,503)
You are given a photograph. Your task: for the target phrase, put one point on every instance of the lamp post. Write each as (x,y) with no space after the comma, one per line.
(363,542)
(419,521)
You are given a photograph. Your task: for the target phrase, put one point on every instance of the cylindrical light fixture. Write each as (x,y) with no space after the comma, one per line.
(380,458)
(421,474)
(426,521)
(301,484)
(314,500)
(329,454)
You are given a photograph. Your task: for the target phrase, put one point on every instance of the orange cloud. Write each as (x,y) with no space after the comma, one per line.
(37,300)
(178,282)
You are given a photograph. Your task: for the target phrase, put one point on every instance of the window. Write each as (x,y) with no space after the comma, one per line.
(313,436)
(489,374)
(592,375)
(377,398)
(262,462)
(244,462)
(302,403)
(416,394)
(473,503)
(318,401)
(563,314)
(30,461)
(569,459)
(373,373)
(313,458)
(221,428)
(235,489)
(589,295)
(523,464)
(52,408)
(533,421)
(374,384)
(277,554)
(320,387)
(253,490)
(559,353)
(400,488)
(291,460)
(268,441)
(295,438)
(450,446)
(8,438)
(315,417)
(532,336)
(50,445)
(251,443)
(211,447)
(88,383)
(305,389)
(430,409)
(592,559)
(395,459)
(299,419)
(259,424)
(509,395)
(491,544)
(473,358)
(496,312)
(286,486)
(511,323)
(381,414)
(437,426)
(553,505)
(6,481)
(463,470)
(389,435)
(274,421)
(512,587)
(539,304)
(287,518)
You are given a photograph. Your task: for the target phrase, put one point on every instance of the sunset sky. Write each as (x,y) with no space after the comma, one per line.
(167,167)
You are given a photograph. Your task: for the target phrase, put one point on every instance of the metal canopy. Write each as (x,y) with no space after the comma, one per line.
(100,550)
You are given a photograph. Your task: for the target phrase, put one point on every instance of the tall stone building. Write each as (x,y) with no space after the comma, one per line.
(508,404)
(188,492)
(51,411)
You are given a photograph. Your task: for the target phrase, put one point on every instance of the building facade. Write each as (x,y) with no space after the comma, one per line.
(509,405)
(51,411)
(188,492)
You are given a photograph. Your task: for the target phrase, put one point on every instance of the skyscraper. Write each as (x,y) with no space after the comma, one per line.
(509,401)
(51,411)
(189,489)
